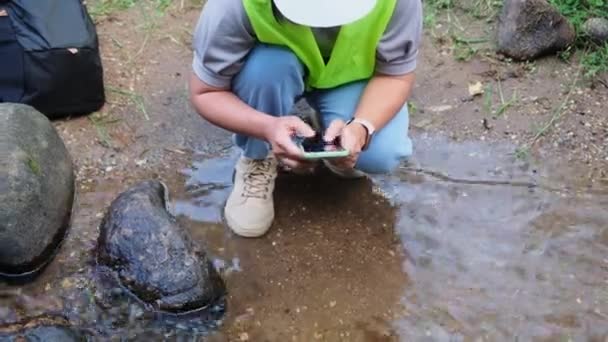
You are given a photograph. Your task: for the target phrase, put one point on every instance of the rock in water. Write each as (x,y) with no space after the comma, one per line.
(41,333)
(597,30)
(41,329)
(528,29)
(153,256)
(36,190)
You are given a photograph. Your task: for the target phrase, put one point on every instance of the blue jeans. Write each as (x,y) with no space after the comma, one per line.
(272,80)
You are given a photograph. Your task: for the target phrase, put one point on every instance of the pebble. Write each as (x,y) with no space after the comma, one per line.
(597,29)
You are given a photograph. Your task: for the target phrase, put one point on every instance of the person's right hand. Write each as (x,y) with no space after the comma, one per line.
(279,134)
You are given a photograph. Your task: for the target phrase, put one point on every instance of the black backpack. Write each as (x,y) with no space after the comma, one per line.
(49,57)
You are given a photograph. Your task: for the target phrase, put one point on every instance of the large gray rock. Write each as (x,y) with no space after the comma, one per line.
(36,190)
(153,256)
(528,29)
(597,30)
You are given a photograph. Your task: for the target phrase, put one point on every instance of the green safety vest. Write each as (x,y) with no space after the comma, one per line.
(353,56)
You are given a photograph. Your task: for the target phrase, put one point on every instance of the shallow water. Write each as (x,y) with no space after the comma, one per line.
(500,262)
(464,243)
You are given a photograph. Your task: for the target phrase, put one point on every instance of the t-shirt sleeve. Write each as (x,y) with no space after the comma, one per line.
(397,50)
(222,39)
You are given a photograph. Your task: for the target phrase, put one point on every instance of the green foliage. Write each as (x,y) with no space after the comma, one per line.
(595,62)
(100,8)
(487,9)
(595,58)
(432,9)
(578,11)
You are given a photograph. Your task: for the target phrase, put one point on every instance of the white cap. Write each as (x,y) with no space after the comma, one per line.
(324,13)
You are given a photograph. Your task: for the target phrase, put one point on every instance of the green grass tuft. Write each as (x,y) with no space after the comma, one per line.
(595,62)
(102,8)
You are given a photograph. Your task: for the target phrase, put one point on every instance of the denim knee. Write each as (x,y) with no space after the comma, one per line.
(269,72)
(389,148)
(382,160)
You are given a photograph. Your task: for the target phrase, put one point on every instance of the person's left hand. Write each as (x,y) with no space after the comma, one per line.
(352,138)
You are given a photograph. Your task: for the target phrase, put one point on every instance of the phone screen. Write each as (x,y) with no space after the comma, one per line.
(318,144)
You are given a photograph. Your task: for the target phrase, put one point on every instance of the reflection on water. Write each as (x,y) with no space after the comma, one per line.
(207,186)
(495,261)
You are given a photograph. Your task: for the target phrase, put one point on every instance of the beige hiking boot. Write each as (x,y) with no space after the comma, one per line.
(249,210)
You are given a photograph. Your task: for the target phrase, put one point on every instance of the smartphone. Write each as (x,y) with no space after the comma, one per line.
(317,148)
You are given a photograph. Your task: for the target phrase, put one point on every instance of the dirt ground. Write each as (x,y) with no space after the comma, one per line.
(411,256)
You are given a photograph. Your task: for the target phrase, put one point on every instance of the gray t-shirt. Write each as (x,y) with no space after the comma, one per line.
(224,36)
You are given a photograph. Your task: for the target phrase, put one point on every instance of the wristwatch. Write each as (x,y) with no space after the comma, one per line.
(369,128)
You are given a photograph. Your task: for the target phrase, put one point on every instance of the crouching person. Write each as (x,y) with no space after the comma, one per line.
(352,60)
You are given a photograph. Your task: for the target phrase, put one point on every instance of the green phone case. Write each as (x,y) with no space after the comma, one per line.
(326,154)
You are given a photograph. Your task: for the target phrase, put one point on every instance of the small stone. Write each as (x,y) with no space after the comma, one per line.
(332,304)
(244,336)
(597,30)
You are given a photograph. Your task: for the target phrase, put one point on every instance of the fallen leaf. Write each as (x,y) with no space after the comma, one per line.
(475,88)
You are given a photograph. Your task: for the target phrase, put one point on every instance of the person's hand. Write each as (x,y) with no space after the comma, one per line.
(279,134)
(352,138)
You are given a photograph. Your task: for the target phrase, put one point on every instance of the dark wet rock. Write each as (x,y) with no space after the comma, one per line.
(51,333)
(597,29)
(41,329)
(528,29)
(153,256)
(36,189)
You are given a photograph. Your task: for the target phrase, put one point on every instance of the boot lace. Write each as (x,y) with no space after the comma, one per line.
(257,179)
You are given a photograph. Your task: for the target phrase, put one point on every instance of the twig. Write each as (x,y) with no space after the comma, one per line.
(174,150)
(135,98)
(116,42)
(558,112)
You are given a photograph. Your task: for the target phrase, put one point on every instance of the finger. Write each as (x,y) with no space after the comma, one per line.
(292,164)
(302,128)
(289,148)
(348,142)
(334,129)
